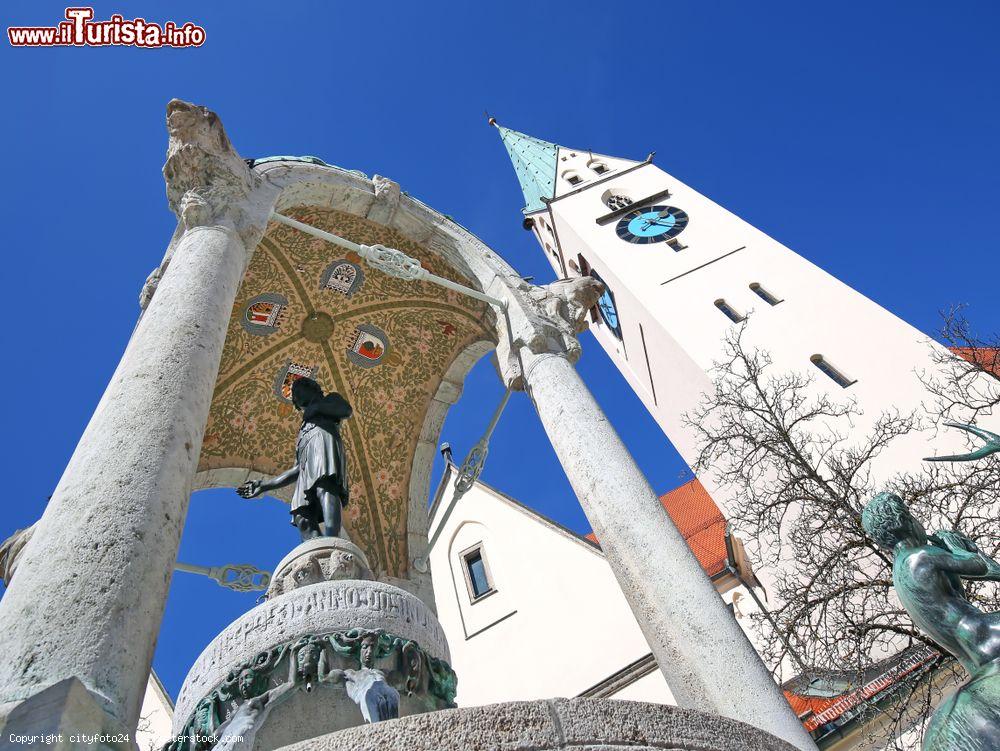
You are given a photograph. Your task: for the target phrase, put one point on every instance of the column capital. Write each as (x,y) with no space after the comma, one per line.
(208,182)
(544,320)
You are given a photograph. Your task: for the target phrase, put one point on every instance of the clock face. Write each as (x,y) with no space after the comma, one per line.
(607,308)
(651,224)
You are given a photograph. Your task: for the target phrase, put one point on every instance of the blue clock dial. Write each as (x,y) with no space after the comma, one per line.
(651,224)
(607,308)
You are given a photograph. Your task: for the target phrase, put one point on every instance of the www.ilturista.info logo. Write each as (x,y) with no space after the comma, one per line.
(79,30)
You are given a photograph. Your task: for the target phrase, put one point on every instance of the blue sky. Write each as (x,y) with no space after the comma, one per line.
(862,135)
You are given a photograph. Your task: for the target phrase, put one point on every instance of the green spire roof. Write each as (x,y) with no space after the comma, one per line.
(535,164)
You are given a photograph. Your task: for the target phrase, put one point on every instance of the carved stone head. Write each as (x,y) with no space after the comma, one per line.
(369,643)
(307,662)
(304,573)
(345,565)
(248,683)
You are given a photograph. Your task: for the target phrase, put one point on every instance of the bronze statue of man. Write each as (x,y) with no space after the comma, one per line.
(320,471)
(927,573)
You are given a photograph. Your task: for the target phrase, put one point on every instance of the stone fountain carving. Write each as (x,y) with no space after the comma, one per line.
(330,648)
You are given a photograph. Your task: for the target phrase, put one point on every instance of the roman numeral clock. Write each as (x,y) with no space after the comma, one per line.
(651,224)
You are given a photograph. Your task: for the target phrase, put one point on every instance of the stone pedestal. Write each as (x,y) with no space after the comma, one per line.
(317,560)
(63,717)
(580,724)
(312,606)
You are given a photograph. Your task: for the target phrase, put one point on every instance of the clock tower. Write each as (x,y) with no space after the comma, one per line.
(681,272)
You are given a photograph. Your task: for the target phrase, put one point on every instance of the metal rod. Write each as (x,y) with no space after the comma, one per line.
(496,415)
(389,260)
(191,568)
(240,577)
(315,232)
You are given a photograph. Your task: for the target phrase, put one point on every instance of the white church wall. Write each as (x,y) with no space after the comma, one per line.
(557,624)
(667,362)
(652,687)
(155,717)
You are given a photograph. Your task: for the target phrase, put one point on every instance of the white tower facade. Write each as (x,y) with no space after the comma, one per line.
(682,271)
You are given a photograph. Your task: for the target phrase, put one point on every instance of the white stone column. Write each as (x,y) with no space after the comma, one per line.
(92,583)
(707,660)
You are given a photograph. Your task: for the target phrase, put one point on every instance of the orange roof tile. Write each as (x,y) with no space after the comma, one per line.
(809,705)
(817,711)
(700,522)
(988,358)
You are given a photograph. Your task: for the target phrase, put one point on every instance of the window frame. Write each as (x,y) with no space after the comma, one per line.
(463,558)
(831,371)
(765,294)
(726,309)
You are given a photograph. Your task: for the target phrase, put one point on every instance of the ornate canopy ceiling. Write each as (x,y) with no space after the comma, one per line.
(305,308)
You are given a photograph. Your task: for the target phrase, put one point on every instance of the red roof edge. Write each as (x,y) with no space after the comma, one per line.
(701,523)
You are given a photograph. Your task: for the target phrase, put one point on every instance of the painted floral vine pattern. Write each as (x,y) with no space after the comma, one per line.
(426,326)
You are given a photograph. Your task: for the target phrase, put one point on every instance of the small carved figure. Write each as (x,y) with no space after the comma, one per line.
(305,572)
(308,664)
(367,685)
(248,683)
(10,552)
(201,729)
(344,565)
(150,285)
(239,732)
(320,471)
(927,573)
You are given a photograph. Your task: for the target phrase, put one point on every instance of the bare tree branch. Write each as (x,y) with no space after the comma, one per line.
(801,472)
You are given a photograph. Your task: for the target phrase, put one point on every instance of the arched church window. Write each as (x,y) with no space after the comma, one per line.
(831,372)
(728,311)
(572,177)
(763,294)
(616,199)
(598,166)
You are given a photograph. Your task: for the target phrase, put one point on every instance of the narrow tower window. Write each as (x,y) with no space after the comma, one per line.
(831,372)
(728,311)
(764,295)
(477,573)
